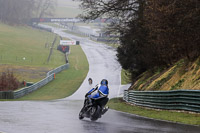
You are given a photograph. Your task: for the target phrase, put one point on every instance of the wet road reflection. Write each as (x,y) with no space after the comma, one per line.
(61,116)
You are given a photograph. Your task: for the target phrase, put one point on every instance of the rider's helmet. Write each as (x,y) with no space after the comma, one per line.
(104,82)
(90,81)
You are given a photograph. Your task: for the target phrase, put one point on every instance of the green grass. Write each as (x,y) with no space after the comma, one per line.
(66,82)
(158,84)
(23,51)
(180,117)
(125,77)
(19,43)
(178,84)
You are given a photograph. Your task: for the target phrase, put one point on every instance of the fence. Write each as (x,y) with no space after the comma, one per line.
(6,95)
(42,28)
(188,100)
(58,69)
(29,89)
(112,39)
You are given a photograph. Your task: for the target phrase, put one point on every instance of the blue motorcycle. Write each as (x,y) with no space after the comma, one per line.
(93,108)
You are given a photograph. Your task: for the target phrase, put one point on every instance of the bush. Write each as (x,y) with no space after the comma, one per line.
(8,81)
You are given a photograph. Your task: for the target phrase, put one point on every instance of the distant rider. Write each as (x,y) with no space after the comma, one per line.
(90,81)
(100,93)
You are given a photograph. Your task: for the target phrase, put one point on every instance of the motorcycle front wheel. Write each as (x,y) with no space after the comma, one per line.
(81,114)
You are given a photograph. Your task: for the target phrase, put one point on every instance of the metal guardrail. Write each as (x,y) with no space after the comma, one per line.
(6,94)
(29,89)
(188,100)
(50,77)
(58,69)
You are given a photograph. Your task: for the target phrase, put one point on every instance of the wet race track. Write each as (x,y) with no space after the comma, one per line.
(61,116)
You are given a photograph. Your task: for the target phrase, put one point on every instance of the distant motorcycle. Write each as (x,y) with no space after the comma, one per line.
(93,111)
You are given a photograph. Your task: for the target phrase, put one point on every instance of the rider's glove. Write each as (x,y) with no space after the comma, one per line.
(97,86)
(86,95)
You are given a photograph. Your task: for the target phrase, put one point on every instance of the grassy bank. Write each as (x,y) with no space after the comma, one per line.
(125,77)
(66,82)
(182,75)
(25,51)
(180,117)
(25,46)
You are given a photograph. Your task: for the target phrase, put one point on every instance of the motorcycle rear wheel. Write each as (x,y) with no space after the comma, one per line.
(95,113)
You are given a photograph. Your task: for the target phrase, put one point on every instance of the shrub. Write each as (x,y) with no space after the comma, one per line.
(8,81)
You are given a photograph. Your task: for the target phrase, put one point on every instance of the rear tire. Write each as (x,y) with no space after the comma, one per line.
(95,113)
(93,118)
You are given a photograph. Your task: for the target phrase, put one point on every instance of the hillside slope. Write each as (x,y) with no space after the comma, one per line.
(25,51)
(182,75)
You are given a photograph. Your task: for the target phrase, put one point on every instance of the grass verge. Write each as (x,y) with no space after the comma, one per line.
(24,51)
(125,77)
(24,46)
(180,117)
(67,81)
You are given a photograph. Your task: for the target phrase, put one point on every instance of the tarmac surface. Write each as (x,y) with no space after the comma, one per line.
(61,116)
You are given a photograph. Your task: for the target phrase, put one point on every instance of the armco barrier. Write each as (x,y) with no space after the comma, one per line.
(6,95)
(50,77)
(188,100)
(29,89)
(58,69)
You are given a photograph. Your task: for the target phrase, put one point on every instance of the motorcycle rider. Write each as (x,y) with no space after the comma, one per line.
(90,81)
(100,93)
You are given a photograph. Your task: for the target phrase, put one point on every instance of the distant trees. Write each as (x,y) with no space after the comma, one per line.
(153,33)
(175,29)
(44,8)
(128,20)
(20,11)
(121,10)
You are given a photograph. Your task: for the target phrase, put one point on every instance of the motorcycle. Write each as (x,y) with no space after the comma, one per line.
(93,109)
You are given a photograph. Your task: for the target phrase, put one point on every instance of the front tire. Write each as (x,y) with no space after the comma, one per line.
(81,114)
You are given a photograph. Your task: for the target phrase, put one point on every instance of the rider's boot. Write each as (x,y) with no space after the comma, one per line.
(89,104)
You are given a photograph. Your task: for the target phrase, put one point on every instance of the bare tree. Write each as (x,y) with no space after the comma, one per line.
(121,11)
(20,11)
(45,8)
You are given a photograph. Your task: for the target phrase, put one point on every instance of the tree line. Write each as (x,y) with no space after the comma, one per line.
(153,33)
(21,11)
